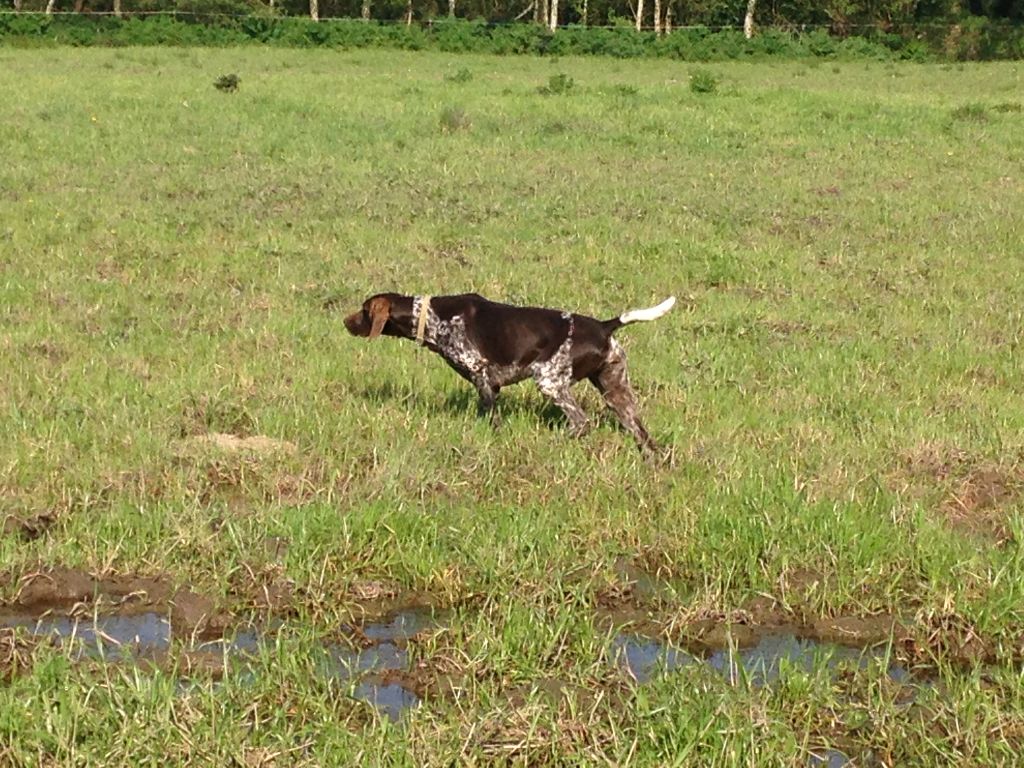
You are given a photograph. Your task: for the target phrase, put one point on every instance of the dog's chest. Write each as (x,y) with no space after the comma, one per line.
(452,342)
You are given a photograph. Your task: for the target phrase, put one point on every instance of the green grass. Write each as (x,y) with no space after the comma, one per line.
(839,388)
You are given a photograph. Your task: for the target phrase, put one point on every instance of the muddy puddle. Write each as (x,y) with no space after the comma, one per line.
(759,664)
(828,758)
(366,653)
(151,622)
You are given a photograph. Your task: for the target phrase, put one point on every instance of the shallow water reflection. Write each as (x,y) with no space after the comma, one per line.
(124,637)
(760,665)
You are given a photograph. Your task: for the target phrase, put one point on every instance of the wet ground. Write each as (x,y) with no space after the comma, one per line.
(147,636)
(368,652)
(147,621)
(758,665)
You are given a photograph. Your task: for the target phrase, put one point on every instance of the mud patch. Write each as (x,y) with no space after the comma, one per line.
(74,592)
(30,528)
(976,504)
(975,495)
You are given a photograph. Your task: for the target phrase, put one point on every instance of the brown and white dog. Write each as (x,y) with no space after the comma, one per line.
(493,345)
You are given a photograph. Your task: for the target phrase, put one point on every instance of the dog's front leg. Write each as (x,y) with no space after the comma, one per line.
(488,396)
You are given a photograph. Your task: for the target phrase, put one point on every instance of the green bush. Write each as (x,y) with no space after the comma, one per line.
(821,43)
(462,76)
(973,38)
(454,119)
(461,36)
(703,81)
(557,84)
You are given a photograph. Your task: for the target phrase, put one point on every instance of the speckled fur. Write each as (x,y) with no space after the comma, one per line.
(553,375)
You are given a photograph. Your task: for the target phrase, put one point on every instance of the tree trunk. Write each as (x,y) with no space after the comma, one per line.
(639,15)
(314,10)
(668,20)
(748,20)
(554,15)
(542,12)
(657,17)
(366,10)
(408,13)
(49,6)
(531,8)
(583,20)
(17,5)
(79,5)
(117,7)
(451,9)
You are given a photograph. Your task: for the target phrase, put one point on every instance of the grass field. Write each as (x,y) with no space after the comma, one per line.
(839,392)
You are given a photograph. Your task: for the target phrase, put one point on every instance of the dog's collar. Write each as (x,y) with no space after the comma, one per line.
(421,322)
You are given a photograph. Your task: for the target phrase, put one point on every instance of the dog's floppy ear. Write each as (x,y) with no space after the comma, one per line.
(380,309)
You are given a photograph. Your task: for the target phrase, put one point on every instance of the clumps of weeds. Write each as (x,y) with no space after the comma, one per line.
(1009,106)
(227,83)
(973,113)
(703,81)
(555,128)
(454,119)
(207,413)
(462,76)
(15,654)
(557,85)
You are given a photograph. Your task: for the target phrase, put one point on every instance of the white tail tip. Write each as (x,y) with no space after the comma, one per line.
(643,315)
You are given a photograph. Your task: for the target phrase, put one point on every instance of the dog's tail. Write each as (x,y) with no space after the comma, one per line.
(639,315)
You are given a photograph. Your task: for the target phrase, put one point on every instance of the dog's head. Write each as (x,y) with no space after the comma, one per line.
(370,321)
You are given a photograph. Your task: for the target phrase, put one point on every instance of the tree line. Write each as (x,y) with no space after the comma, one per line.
(839,17)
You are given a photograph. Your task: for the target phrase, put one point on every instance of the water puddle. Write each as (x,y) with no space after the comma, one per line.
(374,657)
(760,665)
(113,637)
(130,637)
(828,758)
(391,699)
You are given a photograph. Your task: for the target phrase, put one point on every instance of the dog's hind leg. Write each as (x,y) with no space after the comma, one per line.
(613,383)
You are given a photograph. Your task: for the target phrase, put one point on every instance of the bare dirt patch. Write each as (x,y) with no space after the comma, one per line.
(974,495)
(28,528)
(978,501)
(228,443)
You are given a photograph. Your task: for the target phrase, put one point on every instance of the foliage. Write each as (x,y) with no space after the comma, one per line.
(454,119)
(703,81)
(974,38)
(557,84)
(227,83)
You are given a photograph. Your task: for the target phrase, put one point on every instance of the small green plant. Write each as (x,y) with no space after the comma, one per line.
(1009,106)
(454,119)
(972,113)
(462,76)
(227,83)
(703,81)
(557,84)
